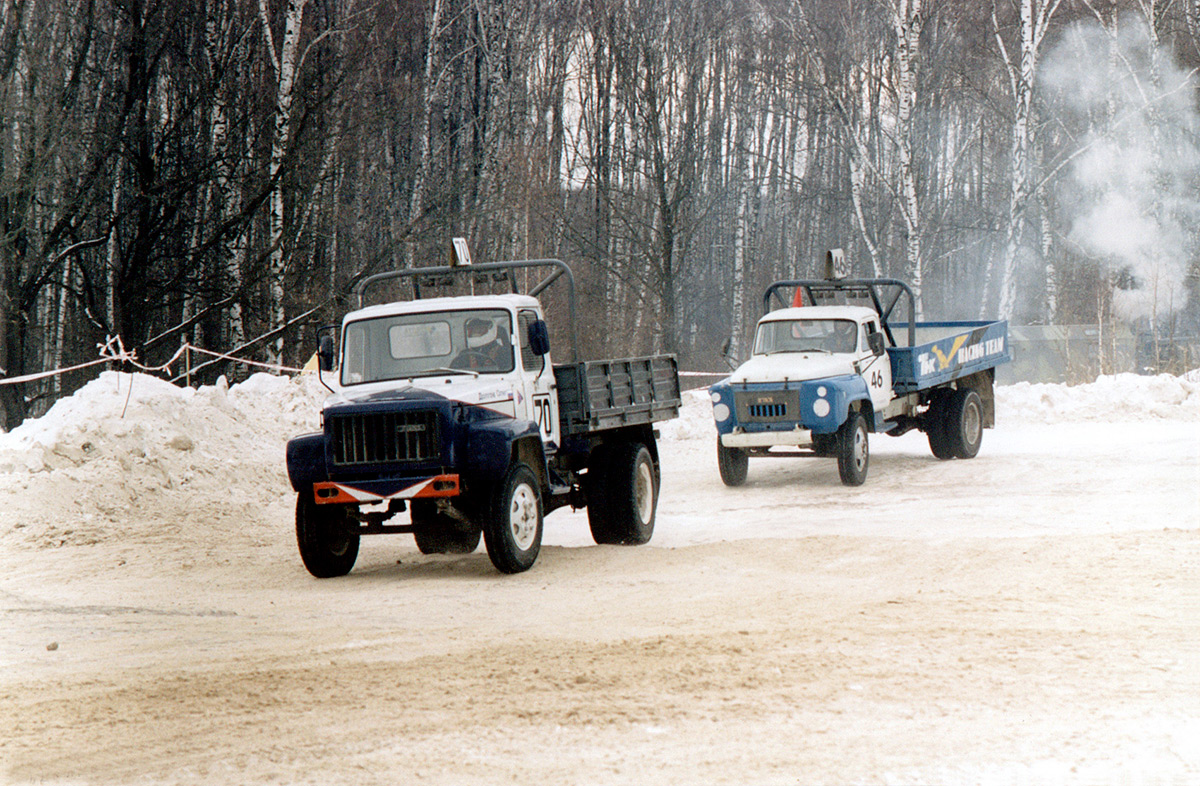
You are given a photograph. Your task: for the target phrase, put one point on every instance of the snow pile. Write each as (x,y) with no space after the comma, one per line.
(136,458)
(1121,397)
(139,416)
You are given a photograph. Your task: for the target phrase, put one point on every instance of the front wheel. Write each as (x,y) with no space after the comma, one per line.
(328,545)
(853,450)
(512,529)
(732,463)
(630,498)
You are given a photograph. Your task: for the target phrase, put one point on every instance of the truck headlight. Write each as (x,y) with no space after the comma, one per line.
(720,408)
(821,407)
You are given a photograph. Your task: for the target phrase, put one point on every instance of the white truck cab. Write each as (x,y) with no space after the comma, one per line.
(476,350)
(816,342)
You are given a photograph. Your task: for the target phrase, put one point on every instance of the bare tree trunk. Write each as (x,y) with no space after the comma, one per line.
(1035,18)
(429,90)
(285,62)
(907,21)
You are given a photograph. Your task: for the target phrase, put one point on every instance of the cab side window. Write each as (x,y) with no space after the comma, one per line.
(529,360)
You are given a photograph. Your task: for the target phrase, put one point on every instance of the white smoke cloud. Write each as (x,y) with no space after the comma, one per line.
(1131,196)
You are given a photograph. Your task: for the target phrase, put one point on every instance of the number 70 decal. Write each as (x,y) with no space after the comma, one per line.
(543,414)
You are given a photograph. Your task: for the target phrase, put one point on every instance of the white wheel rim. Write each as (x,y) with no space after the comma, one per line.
(643,491)
(860,447)
(972,420)
(523,516)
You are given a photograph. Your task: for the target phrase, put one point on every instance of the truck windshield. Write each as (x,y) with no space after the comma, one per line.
(806,335)
(402,346)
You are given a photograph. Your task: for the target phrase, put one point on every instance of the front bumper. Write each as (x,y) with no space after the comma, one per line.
(372,491)
(767,439)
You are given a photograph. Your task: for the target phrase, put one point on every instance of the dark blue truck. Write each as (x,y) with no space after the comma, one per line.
(449,409)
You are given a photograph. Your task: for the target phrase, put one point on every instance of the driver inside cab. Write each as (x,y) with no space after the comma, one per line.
(487,347)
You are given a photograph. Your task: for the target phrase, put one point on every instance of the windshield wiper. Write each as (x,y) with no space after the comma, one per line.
(448,370)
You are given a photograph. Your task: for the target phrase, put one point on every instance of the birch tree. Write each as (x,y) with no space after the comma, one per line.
(907,21)
(1034,20)
(284,60)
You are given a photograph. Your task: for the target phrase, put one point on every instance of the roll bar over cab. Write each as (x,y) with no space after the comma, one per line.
(450,409)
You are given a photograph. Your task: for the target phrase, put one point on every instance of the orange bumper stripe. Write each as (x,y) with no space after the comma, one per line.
(327,493)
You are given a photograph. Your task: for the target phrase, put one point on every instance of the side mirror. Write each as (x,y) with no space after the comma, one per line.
(875,342)
(539,338)
(726,354)
(325,352)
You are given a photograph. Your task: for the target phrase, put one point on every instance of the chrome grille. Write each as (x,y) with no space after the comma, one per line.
(384,437)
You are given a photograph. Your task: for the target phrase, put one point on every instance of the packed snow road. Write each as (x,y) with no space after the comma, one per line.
(1028,615)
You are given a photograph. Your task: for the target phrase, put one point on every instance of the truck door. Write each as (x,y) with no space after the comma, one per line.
(537,380)
(876,369)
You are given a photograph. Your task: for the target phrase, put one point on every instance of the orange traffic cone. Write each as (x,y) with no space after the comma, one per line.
(798,299)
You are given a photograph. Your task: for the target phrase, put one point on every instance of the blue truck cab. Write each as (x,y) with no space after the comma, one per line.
(822,377)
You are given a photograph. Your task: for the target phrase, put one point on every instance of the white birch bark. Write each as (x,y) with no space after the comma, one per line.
(225,196)
(285,62)
(1035,16)
(429,90)
(907,21)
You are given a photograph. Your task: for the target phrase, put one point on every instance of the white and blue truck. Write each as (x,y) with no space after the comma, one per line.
(826,374)
(449,409)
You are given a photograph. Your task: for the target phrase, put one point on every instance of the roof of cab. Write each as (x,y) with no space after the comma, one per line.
(460,303)
(820,312)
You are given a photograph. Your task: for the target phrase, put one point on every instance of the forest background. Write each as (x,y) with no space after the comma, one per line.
(221,172)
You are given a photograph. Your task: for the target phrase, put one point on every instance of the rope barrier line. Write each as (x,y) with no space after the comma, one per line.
(241,360)
(113,351)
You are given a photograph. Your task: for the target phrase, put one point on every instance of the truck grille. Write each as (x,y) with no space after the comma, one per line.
(384,437)
(769,411)
(767,406)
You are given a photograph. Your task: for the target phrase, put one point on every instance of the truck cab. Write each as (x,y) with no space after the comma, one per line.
(481,351)
(820,342)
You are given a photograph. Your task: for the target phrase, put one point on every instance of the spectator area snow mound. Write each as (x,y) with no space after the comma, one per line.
(137,458)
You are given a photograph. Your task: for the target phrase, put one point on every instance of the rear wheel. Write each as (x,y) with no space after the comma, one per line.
(935,425)
(328,544)
(853,450)
(630,497)
(964,423)
(437,533)
(512,529)
(732,463)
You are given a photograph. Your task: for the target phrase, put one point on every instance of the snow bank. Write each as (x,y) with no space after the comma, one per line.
(145,418)
(1122,397)
(133,456)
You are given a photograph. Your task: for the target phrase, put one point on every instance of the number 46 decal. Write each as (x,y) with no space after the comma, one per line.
(877,379)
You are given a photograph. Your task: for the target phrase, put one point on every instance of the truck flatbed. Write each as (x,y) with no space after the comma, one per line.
(970,347)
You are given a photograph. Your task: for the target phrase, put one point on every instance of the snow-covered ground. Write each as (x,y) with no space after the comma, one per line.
(1026,616)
